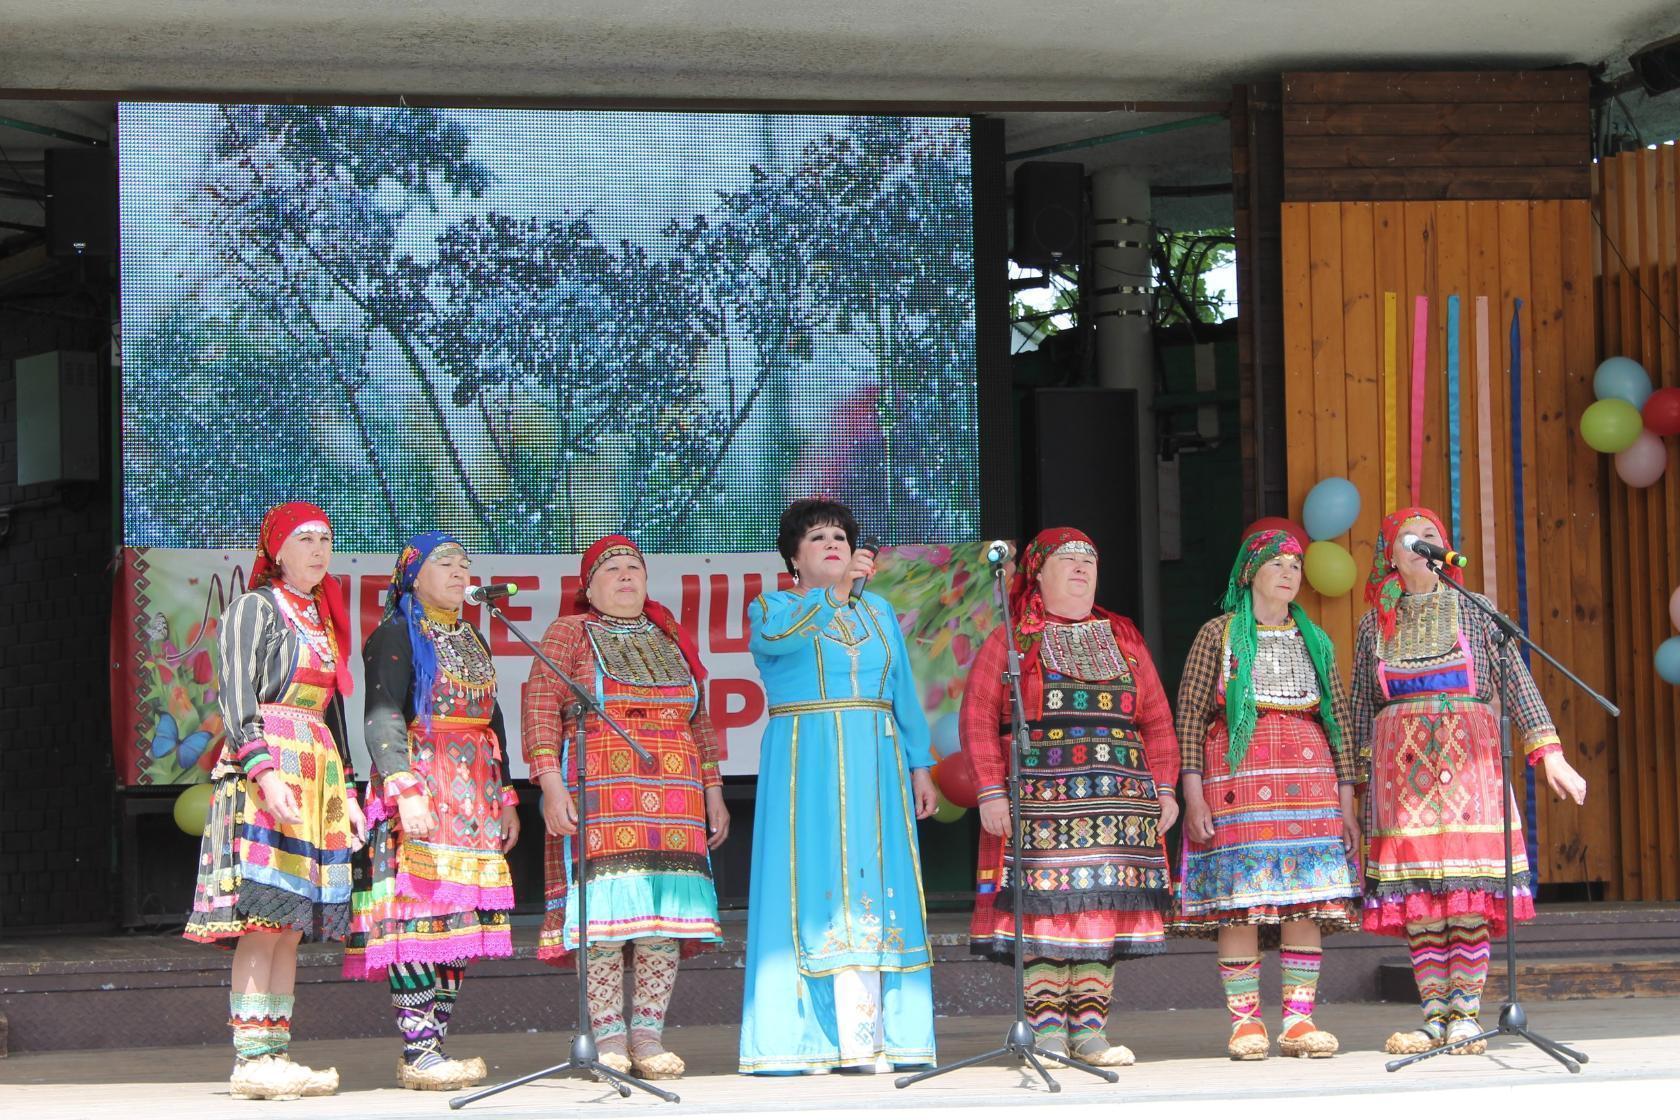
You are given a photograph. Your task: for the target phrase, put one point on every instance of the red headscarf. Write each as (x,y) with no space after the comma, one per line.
(277,527)
(1382,586)
(605,549)
(1026,599)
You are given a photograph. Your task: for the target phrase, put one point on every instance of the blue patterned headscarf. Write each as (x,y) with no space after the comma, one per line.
(402,600)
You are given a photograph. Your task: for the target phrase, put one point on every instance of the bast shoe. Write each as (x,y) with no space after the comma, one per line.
(1303,1040)
(269,1078)
(660,1065)
(1098,1051)
(1249,1043)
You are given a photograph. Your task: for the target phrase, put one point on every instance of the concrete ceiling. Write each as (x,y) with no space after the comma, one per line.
(960,53)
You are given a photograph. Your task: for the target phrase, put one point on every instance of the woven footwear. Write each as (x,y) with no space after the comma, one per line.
(269,1078)
(1249,1042)
(1304,1040)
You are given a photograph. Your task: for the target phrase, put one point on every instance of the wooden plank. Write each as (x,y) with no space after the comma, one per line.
(1298,366)
(1305,118)
(1405,152)
(1330,386)
(1482,235)
(1669,375)
(1314,184)
(1403,86)
(1601,834)
(1362,357)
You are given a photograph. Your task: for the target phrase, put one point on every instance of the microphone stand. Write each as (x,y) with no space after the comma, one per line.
(1513,1020)
(1019,1042)
(585,1056)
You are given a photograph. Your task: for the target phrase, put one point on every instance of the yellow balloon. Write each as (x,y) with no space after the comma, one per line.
(192,809)
(1330,569)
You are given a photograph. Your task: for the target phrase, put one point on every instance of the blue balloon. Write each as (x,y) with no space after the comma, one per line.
(946,740)
(1622,379)
(1330,509)
(1668,661)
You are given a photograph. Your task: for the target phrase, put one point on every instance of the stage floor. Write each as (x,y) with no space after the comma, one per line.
(1632,1044)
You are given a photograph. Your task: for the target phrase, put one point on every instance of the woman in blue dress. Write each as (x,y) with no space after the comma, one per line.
(839,968)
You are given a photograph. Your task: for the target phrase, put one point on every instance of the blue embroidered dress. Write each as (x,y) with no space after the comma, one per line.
(839,968)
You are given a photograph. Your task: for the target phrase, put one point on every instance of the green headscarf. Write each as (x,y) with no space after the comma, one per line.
(1242,632)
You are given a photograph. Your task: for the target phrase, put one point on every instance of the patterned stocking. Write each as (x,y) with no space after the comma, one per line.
(606,995)
(1046,984)
(1300,985)
(413,992)
(1467,965)
(450,976)
(280,1018)
(254,1032)
(1428,943)
(1090,990)
(1240,977)
(654,962)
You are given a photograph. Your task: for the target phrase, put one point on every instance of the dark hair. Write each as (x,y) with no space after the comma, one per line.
(812,513)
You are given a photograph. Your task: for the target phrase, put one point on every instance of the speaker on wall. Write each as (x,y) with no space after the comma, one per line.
(1049,212)
(1658,65)
(81,202)
(1079,454)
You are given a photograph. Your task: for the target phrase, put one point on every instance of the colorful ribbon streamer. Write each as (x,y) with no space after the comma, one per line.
(1454,449)
(1420,361)
(1484,452)
(1391,406)
(1518,507)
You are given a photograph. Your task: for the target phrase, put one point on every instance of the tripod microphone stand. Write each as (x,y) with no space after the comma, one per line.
(1019,1042)
(1513,1020)
(585,1056)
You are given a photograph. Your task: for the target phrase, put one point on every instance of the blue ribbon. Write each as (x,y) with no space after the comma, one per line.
(1531,836)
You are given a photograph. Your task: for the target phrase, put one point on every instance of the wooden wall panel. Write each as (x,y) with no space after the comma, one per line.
(1339,260)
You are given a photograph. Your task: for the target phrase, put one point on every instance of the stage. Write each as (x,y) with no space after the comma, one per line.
(1631,1043)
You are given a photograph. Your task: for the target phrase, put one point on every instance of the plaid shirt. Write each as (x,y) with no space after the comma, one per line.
(1200,704)
(545,724)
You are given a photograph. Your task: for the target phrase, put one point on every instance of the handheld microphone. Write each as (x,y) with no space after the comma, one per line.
(999,552)
(871,546)
(490,592)
(1434,551)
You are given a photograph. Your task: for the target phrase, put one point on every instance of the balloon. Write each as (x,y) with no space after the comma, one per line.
(1662,412)
(1330,569)
(1611,425)
(1668,661)
(192,809)
(1674,608)
(1643,463)
(945,735)
(1330,508)
(955,778)
(1622,379)
(948,811)
(1283,523)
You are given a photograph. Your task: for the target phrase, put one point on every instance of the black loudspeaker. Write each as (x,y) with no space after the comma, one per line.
(1049,212)
(81,202)
(1081,470)
(1658,65)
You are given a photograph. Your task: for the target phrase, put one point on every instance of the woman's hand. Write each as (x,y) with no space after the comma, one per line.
(1169,811)
(415,810)
(1198,819)
(994,816)
(278,797)
(510,827)
(717,818)
(1352,839)
(1565,780)
(559,813)
(862,566)
(921,783)
(358,823)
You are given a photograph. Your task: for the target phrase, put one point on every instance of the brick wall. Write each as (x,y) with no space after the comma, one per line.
(56,799)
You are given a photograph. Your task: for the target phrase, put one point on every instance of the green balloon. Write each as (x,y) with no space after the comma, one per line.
(192,809)
(948,811)
(1611,425)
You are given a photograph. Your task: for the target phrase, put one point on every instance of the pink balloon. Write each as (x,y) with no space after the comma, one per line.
(1644,462)
(1674,608)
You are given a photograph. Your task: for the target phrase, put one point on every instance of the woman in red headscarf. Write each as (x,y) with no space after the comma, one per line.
(1097,794)
(275,864)
(651,828)
(1425,682)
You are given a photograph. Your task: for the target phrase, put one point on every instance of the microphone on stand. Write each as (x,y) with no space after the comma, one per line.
(490,592)
(1434,551)
(873,547)
(999,552)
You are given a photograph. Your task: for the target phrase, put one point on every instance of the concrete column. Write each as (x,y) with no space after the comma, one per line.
(1126,359)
